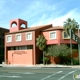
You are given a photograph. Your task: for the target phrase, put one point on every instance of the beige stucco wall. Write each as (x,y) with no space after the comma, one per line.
(20,57)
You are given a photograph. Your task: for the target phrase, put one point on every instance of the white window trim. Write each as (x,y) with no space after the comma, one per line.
(55,34)
(64,37)
(8,36)
(28,33)
(20,38)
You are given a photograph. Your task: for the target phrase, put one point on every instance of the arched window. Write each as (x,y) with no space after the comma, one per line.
(14,24)
(23,25)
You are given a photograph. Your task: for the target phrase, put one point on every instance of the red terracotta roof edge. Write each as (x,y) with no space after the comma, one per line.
(31,29)
(54,27)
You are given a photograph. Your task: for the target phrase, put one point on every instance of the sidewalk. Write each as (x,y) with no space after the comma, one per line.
(41,66)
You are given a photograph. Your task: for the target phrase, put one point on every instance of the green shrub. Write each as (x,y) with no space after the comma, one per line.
(75,61)
(46,59)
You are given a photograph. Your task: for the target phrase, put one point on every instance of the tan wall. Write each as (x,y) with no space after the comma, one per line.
(20,57)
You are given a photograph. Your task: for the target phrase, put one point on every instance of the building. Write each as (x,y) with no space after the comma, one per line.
(2,33)
(20,42)
(56,35)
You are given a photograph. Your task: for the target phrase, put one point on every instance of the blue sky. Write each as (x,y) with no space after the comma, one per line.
(39,12)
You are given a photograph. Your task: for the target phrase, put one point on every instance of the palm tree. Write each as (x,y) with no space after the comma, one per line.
(41,44)
(70,24)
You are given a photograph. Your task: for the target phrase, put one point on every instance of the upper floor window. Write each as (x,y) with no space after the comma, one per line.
(29,36)
(18,37)
(53,35)
(9,38)
(65,35)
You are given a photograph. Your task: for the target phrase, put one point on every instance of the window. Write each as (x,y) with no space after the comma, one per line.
(9,38)
(21,47)
(65,35)
(14,24)
(29,36)
(23,25)
(12,48)
(29,47)
(16,48)
(18,37)
(53,35)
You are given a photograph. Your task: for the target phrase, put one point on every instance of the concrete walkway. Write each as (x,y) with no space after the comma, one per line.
(41,65)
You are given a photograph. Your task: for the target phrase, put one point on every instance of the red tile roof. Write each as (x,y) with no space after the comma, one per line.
(54,28)
(32,28)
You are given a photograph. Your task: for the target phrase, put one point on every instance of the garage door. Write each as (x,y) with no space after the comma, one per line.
(19,58)
(24,58)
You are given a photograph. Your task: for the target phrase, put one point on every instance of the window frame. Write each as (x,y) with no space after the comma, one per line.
(29,33)
(64,37)
(55,35)
(7,37)
(20,37)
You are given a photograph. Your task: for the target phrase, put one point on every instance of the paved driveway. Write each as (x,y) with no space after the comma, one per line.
(38,73)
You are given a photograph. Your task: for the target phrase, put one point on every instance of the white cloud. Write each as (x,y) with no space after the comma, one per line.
(36,12)
(36,8)
(58,21)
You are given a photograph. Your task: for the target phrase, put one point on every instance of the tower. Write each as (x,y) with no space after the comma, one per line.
(17,24)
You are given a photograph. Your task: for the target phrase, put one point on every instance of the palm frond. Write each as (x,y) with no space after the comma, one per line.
(70,24)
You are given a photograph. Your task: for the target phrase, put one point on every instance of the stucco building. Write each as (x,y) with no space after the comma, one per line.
(20,42)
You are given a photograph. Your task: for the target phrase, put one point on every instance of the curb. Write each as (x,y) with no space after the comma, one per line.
(41,66)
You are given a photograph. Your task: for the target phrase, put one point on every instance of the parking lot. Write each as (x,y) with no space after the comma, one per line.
(18,73)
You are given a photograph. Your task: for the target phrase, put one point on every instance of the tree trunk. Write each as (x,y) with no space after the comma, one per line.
(43,59)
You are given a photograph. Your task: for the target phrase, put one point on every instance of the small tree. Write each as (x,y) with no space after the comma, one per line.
(53,50)
(64,53)
(61,51)
(46,59)
(64,50)
(41,44)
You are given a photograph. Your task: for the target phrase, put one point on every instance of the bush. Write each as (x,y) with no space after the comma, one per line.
(65,60)
(46,59)
(75,61)
(41,60)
